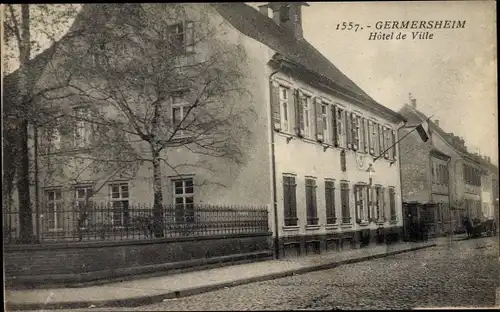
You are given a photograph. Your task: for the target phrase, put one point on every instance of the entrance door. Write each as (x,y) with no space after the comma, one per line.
(410,213)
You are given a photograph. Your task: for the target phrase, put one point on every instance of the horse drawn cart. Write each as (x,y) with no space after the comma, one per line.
(476,227)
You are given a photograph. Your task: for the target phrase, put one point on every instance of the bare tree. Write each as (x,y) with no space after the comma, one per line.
(159,77)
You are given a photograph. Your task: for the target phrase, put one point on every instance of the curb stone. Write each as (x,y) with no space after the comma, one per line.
(147,300)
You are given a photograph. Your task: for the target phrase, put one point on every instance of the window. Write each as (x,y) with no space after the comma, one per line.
(312,209)
(326,128)
(306,102)
(392,203)
(361,203)
(388,142)
(371,129)
(344,198)
(119,197)
(82,130)
(54,217)
(181,37)
(289,200)
(98,52)
(361,134)
(184,200)
(356,132)
(375,138)
(286,124)
(339,127)
(381,141)
(83,201)
(330,202)
(180,109)
(51,139)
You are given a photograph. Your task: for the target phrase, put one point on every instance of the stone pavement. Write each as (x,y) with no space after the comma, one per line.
(157,289)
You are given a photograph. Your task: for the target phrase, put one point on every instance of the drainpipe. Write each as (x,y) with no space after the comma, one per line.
(273,169)
(449,197)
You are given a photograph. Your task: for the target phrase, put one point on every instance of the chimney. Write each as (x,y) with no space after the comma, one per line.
(264,9)
(289,16)
(413,103)
(436,122)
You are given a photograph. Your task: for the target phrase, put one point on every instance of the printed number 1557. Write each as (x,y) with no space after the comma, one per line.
(348,26)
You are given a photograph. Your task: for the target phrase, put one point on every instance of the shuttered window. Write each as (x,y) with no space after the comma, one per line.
(344,199)
(289,201)
(311,205)
(330,202)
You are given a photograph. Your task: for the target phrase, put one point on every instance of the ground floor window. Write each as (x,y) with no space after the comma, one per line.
(311,205)
(184,200)
(53,216)
(119,198)
(361,203)
(83,202)
(344,199)
(330,202)
(290,201)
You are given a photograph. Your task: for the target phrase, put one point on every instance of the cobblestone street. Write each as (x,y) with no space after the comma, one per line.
(465,273)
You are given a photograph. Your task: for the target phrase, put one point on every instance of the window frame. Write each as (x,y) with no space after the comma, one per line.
(344,202)
(325,107)
(181,105)
(306,101)
(330,207)
(311,201)
(188,215)
(340,126)
(123,210)
(57,206)
(285,116)
(87,203)
(81,140)
(289,182)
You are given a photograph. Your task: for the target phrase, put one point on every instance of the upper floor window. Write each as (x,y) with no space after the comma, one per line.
(181,37)
(83,128)
(326,124)
(286,124)
(180,112)
(339,127)
(306,115)
(356,132)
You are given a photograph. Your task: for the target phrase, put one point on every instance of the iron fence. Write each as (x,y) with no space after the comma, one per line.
(114,222)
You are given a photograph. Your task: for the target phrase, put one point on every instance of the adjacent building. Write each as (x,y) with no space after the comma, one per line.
(320,152)
(442,181)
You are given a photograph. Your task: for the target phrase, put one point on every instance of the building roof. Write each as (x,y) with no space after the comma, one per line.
(259,27)
(434,127)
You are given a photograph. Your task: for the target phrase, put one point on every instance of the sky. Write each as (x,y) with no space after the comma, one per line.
(453,75)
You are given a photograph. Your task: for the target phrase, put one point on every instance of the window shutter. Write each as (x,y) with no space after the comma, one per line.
(366,134)
(348,131)
(189,37)
(382,204)
(381,140)
(356,204)
(335,136)
(319,119)
(394,147)
(388,143)
(275,105)
(362,141)
(299,108)
(370,137)
(354,132)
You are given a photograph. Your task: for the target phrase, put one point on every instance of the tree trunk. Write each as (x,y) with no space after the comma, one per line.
(23,181)
(158,197)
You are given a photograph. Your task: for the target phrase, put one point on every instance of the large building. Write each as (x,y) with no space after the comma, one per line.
(318,152)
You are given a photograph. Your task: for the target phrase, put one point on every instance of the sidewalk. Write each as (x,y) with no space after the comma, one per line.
(156,289)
